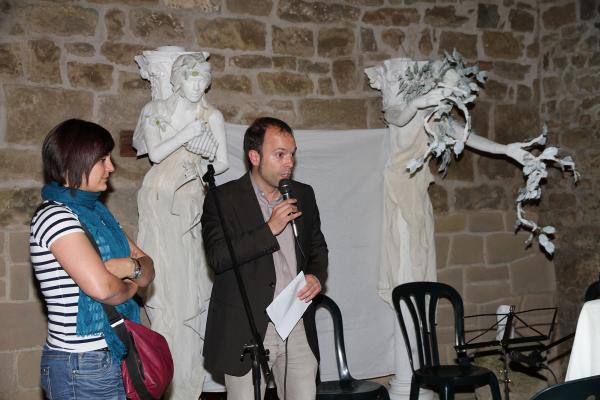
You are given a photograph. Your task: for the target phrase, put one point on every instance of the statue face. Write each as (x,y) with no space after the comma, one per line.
(391,79)
(193,87)
(387,78)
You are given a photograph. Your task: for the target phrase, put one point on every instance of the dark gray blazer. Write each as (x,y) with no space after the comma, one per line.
(227,328)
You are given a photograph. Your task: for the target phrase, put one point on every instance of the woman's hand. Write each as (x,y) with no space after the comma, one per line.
(120,267)
(124,267)
(146,264)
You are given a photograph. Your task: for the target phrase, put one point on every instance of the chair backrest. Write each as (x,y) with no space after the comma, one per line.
(338,332)
(577,389)
(593,291)
(421,300)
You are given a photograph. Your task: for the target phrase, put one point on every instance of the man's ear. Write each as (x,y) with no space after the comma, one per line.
(254,157)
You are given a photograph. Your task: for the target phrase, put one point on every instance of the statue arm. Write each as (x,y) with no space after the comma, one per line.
(516,151)
(212,144)
(217,126)
(513,150)
(159,148)
(402,114)
(457,89)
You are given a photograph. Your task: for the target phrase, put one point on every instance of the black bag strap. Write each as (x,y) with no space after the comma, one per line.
(132,359)
(117,322)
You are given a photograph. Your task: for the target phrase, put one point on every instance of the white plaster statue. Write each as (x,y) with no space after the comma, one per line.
(408,249)
(407,237)
(155,66)
(418,98)
(181,134)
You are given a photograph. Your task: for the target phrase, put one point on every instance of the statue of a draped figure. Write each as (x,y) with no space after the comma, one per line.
(408,248)
(181,133)
(419,98)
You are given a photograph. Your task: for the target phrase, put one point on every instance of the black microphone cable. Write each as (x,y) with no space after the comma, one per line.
(552,372)
(285,189)
(532,360)
(285,370)
(300,248)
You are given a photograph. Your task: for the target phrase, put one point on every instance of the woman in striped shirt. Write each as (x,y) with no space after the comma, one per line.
(81,357)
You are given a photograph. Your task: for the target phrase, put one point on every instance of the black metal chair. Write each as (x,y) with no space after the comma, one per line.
(593,291)
(421,301)
(347,388)
(578,389)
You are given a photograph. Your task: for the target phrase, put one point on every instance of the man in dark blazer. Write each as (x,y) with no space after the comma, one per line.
(257,220)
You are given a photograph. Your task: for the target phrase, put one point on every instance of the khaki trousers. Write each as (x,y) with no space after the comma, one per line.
(301,369)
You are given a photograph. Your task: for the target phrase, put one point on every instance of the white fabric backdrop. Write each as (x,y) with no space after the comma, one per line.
(585,354)
(346,170)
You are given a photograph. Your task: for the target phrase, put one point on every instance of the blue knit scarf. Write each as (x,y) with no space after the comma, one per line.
(112,243)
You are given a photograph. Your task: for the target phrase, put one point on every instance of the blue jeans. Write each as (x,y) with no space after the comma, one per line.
(81,376)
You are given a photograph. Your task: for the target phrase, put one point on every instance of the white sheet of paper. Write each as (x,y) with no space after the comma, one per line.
(286,309)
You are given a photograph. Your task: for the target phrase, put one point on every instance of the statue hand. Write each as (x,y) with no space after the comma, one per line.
(195,145)
(210,149)
(191,172)
(401,113)
(198,130)
(194,129)
(431,98)
(204,144)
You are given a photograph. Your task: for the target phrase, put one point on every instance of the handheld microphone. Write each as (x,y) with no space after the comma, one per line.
(285,188)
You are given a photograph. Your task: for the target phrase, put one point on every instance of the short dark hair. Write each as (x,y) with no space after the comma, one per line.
(71,149)
(255,134)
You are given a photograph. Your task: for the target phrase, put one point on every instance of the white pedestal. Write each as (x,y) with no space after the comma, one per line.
(400,383)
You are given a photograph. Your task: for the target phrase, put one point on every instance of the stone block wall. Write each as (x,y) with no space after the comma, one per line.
(479,255)
(302,60)
(570,101)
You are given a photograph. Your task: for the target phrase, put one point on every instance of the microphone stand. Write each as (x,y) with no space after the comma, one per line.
(259,355)
(504,342)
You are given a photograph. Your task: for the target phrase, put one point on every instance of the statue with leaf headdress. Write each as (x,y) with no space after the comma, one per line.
(420,102)
(419,98)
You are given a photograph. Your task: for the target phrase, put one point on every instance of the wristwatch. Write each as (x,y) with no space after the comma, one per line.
(137,269)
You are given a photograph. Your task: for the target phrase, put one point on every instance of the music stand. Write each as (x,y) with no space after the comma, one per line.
(529,338)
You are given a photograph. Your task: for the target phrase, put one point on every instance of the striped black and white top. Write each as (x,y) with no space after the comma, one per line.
(61,293)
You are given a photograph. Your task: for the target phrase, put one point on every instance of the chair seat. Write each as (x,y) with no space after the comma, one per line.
(456,374)
(347,390)
(584,388)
